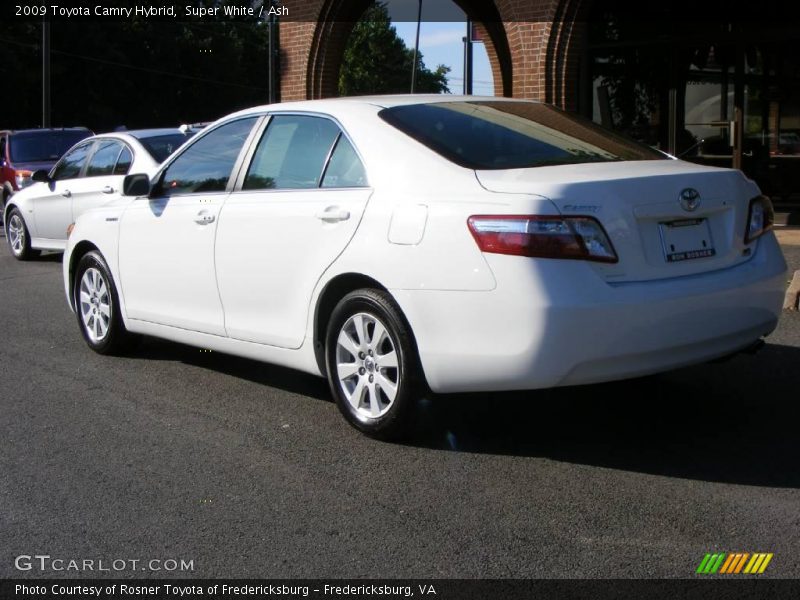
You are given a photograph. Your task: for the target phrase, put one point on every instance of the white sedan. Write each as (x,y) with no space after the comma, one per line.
(397,245)
(88,175)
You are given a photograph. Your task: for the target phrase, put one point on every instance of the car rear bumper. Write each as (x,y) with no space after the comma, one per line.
(551,323)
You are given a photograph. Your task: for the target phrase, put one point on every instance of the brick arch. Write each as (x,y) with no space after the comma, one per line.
(313,43)
(566,45)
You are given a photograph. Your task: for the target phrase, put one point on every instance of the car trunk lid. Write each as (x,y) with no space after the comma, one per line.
(665,218)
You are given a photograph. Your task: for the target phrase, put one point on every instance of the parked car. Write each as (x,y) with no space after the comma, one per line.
(27,150)
(402,244)
(90,174)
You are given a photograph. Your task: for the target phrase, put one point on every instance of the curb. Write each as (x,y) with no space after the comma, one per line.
(790,301)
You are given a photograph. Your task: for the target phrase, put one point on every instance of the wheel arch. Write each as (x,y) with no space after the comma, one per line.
(80,250)
(10,204)
(336,289)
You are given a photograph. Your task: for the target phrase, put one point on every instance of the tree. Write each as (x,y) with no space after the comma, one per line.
(137,72)
(377,61)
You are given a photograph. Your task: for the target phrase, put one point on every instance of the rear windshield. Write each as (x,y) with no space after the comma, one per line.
(161,146)
(512,135)
(43,146)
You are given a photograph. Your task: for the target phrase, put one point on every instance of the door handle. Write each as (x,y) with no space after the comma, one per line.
(333,214)
(108,190)
(204,218)
(66,193)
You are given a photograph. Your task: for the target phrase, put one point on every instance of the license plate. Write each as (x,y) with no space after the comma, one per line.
(686,239)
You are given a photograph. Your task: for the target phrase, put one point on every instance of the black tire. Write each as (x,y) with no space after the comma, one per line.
(104,333)
(17,236)
(365,396)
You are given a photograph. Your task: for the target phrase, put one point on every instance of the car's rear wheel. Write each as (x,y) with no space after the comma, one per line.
(19,241)
(372,364)
(97,306)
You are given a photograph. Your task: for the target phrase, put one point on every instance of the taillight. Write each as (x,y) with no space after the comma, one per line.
(23,178)
(578,238)
(760,218)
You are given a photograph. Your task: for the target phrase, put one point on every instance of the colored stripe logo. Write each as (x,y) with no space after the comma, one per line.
(734,563)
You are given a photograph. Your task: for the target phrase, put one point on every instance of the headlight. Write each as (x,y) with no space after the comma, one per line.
(23,178)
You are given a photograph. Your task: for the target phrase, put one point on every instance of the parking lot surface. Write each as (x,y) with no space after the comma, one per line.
(248,470)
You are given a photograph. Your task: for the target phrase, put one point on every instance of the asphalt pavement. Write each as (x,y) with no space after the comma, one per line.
(248,470)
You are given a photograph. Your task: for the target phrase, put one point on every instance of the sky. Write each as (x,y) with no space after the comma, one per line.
(441,42)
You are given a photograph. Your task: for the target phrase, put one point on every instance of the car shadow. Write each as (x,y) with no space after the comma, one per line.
(51,257)
(288,380)
(733,422)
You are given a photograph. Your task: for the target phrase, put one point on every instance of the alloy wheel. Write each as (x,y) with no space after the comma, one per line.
(94,303)
(16,234)
(367,365)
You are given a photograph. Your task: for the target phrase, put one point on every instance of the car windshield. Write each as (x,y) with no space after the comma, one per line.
(43,146)
(512,135)
(161,146)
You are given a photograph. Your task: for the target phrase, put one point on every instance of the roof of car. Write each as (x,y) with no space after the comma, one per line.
(146,133)
(388,101)
(44,130)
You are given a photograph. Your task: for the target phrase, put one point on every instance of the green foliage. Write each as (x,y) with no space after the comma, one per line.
(377,61)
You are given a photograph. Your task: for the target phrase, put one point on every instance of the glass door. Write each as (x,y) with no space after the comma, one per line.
(708,135)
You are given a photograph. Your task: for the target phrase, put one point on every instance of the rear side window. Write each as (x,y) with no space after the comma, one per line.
(161,146)
(206,165)
(345,168)
(292,153)
(104,159)
(511,135)
(70,166)
(123,162)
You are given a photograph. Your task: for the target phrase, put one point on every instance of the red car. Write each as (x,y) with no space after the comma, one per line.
(27,150)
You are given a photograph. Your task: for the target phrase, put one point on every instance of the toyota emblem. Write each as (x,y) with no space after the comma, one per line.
(689,199)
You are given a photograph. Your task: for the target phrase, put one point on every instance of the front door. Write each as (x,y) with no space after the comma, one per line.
(52,208)
(166,244)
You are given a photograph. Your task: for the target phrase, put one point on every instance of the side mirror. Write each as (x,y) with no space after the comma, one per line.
(41,175)
(137,184)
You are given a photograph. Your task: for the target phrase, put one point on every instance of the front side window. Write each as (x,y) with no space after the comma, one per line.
(70,166)
(292,153)
(206,165)
(511,135)
(104,158)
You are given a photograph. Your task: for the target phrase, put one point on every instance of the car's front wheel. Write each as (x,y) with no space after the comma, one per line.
(97,306)
(372,364)
(19,241)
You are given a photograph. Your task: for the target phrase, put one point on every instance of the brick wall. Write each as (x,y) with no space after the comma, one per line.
(534,53)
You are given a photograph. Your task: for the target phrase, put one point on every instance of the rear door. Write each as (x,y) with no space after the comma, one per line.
(103,176)
(296,205)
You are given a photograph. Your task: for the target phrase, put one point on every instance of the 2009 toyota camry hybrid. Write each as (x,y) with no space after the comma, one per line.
(403,244)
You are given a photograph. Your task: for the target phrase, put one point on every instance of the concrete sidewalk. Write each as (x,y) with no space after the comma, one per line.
(788,236)
(790,242)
